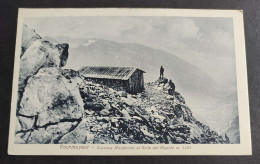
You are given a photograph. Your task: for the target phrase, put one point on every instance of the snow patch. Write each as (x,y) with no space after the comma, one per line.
(89,42)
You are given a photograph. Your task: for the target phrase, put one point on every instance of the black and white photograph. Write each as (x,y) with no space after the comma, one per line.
(127,80)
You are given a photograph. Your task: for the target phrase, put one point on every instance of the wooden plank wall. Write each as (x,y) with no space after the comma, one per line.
(118,85)
(135,84)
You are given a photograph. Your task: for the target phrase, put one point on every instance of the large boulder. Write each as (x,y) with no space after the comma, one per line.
(51,134)
(49,103)
(79,135)
(25,123)
(41,54)
(51,97)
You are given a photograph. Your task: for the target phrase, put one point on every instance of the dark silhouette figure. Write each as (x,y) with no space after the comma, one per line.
(161,72)
(172,89)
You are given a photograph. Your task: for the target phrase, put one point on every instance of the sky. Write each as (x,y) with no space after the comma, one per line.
(206,42)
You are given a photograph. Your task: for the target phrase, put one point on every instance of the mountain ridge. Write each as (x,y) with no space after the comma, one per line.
(206,97)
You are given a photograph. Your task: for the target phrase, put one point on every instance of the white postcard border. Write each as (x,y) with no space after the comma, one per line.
(244,148)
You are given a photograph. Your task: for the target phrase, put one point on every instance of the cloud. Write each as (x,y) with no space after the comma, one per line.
(183,28)
(197,40)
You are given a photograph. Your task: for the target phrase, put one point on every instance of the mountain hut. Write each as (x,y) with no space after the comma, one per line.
(127,79)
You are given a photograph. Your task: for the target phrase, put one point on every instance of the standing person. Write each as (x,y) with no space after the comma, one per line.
(161,72)
(172,85)
(172,88)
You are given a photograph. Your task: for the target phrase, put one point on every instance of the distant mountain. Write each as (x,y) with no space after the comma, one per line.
(73,42)
(97,52)
(206,97)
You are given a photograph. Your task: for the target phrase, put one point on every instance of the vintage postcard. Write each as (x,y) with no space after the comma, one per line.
(130,82)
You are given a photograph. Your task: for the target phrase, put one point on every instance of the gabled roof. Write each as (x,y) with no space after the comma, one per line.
(120,73)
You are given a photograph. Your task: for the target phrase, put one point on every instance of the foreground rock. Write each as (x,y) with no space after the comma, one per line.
(54,106)
(41,54)
(49,103)
(56,99)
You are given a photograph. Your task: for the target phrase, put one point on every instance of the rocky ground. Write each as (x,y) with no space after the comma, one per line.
(152,116)
(56,105)
(107,116)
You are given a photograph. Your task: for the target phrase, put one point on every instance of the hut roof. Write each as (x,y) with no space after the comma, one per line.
(120,73)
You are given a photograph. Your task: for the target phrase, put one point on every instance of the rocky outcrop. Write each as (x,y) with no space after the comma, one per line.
(154,116)
(40,54)
(47,134)
(80,135)
(49,103)
(114,117)
(56,99)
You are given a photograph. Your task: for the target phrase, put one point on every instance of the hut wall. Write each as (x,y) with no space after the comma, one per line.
(118,85)
(135,82)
